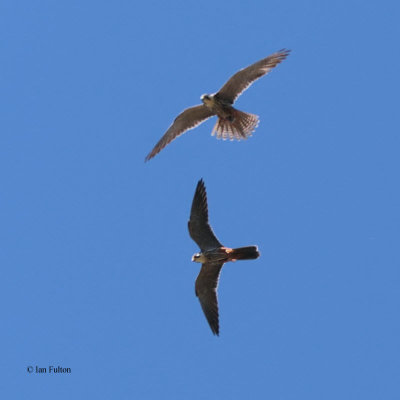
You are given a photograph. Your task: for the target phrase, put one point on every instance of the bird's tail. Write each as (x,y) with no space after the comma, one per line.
(239,126)
(244,253)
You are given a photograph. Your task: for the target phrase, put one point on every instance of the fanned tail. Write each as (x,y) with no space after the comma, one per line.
(245,253)
(240,126)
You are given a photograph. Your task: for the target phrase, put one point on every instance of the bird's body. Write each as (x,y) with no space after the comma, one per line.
(213,256)
(226,254)
(231,122)
(218,106)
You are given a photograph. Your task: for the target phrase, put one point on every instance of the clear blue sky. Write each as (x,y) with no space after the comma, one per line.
(96,271)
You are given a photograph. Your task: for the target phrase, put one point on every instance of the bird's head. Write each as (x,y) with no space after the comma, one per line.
(206,98)
(198,257)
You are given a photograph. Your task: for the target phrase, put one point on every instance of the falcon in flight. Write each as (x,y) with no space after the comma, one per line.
(213,255)
(231,122)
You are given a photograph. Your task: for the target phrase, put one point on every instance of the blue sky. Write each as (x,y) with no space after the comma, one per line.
(94,247)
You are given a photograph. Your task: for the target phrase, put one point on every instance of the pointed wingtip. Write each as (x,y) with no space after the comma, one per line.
(284,52)
(215,329)
(201,185)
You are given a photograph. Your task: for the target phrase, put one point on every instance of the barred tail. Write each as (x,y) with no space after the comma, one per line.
(239,126)
(245,253)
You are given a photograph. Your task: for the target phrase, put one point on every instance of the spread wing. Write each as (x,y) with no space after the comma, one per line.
(246,76)
(188,119)
(206,290)
(199,229)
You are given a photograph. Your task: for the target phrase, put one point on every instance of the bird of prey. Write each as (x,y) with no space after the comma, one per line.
(231,122)
(213,255)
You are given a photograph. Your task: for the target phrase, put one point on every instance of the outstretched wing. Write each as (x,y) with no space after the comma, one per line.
(199,228)
(246,76)
(188,119)
(206,290)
